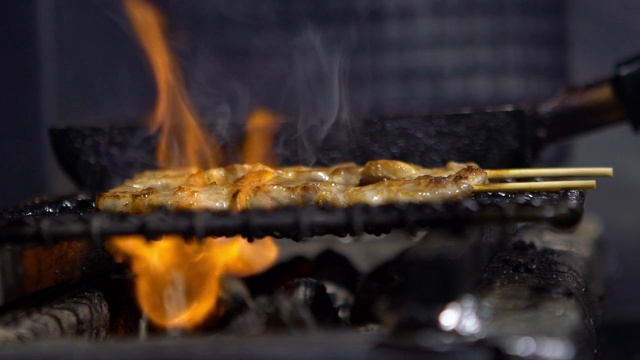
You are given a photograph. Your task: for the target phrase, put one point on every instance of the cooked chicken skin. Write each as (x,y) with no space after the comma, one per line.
(239,187)
(421,189)
(345,174)
(379,170)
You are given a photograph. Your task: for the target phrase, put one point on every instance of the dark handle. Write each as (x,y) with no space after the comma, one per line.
(626,86)
(597,105)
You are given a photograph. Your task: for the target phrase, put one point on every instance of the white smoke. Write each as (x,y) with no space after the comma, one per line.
(320,73)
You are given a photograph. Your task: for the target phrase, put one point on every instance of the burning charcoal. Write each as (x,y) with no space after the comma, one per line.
(279,275)
(342,301)
(313,295)
(303,305)
(375,286)
(84,314)
(340,278)
(234,295)
(252,321)
(233,301)
(332,267)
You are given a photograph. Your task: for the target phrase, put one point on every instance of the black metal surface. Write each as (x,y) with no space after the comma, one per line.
(500,138)
(563,208)
(98,158)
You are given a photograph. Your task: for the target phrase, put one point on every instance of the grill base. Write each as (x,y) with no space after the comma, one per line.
(542,289)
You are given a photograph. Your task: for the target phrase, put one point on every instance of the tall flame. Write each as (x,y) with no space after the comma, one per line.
(177,282)
(183,141)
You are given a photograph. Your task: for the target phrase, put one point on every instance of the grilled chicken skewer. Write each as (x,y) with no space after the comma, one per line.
(239,187)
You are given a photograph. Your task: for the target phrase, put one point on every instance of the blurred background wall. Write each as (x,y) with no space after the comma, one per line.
(77,62)
(601,34)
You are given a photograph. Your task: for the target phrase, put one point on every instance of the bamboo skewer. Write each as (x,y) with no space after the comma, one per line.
(537,186)
(496,174)
(549,172)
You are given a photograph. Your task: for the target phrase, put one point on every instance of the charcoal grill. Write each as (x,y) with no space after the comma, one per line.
(491,259)
(448,262)
(453,265)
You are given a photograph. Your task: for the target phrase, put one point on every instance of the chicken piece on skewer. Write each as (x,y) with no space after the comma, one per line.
(241,187)
(381,170)
(422,189)
(344,174)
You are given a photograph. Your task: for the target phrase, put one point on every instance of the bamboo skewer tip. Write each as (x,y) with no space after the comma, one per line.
(549,172)
(537,186)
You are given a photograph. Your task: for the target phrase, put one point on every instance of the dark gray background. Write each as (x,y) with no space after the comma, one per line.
(601,33)
(76,62)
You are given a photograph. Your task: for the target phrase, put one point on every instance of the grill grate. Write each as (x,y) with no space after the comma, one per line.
(47,222)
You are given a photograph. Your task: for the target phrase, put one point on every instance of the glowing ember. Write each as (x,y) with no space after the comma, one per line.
(177,282)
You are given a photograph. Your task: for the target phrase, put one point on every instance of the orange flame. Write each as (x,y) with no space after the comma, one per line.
(177,282)
(260,131)
(183,141)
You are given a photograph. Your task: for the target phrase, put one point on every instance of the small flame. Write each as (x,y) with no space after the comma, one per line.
(177,282)
(260,131)
(183,141)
